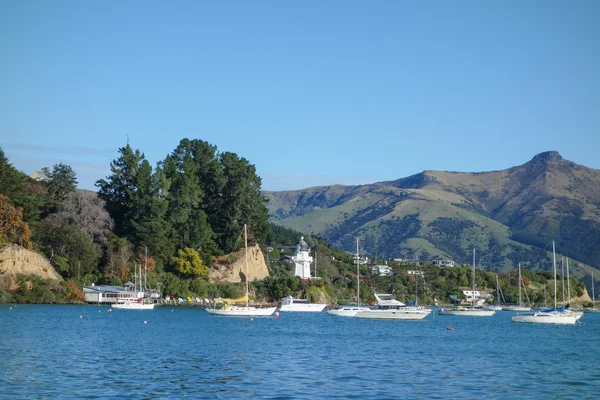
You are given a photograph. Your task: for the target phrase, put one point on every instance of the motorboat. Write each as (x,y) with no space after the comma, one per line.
(389,308)
(289,303)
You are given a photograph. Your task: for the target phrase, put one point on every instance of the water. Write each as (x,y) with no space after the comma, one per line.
(48,351)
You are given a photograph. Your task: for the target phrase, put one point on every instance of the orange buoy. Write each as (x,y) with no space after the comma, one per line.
(276,314)
(449,328)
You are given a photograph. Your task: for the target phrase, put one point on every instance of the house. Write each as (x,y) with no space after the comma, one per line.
(38,176)
(480,297)
(415,272)
(381,270)
(443,263)
(406,261)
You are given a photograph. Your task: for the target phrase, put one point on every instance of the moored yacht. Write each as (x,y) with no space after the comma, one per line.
(390,308)
(472,310)
(300,305)
(553,316)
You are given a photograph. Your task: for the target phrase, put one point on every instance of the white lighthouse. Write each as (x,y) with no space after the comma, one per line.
(302,260)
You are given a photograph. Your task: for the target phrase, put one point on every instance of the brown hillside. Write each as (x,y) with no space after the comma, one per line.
(230,268)
(16,260)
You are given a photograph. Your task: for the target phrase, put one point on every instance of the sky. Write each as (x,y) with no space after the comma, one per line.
(310,92)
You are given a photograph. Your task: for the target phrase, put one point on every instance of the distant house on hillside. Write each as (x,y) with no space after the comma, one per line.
(443,263)
(415,272)
(406,261)
(381,270)
(39,176)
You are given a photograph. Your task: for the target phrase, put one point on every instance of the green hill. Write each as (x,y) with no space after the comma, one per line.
(510,216)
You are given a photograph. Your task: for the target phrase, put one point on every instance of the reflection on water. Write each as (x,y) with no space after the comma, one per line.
(50,352)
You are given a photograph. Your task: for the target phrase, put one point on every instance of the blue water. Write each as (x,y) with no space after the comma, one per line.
(49,351)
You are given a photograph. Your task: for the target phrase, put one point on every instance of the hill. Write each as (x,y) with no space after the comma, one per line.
(510,215)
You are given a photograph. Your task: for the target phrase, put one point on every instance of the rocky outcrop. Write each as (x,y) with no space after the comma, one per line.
(16,260)
(231,268)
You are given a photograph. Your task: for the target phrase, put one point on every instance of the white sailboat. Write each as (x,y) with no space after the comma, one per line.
(231,310)
(519,306)
(576,313)
(471,311)
(139,301)
(350,310)
(553,316)
(498,305)
(593,309)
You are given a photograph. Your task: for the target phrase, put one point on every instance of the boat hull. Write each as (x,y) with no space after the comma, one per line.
(303,307)
(132,306)
(516,308)
(242,311)
(346,311)
(468,313)
(546,318)
(393,314)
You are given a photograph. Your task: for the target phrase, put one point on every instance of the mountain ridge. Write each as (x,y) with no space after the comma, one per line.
(514,212)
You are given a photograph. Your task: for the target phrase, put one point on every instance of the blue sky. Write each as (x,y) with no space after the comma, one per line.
(311,92)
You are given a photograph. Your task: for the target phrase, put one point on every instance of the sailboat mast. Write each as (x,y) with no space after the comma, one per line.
(417,286)
(554,264)
(562,277)
(593,294)
(357,275)
(246,261)
(315,263)
(519,284)
(473,294)
(146,268)
(568,284)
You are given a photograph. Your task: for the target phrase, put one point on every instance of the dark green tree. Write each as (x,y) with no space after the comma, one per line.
(118,188)
(240,203)
(149,227)
(62,180)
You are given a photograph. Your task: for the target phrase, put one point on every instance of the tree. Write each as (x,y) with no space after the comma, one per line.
(118,188)
(86,211)
(12,227)
(188,263)
(62,181)
(17,187)
(149,227)
(240,203)
(81,255)
(188,203)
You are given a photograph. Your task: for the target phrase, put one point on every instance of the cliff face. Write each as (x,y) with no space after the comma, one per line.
(16,260)
(231,268)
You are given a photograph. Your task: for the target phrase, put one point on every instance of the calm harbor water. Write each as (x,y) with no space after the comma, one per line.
(53,351)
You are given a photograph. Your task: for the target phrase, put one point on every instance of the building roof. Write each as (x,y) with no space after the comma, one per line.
(104,288)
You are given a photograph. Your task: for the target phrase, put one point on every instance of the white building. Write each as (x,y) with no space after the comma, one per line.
(302,260)
(443,263)
(480,297)
(415,272)
(381,270)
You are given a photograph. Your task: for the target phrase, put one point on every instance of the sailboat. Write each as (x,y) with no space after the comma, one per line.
(350,310)
(519,306)
(139,302)
(498,305)
(229,309)
(551,316)
(593,309)
(569,310)
(471,311)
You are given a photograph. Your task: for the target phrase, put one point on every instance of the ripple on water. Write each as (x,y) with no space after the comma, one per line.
(48,351)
